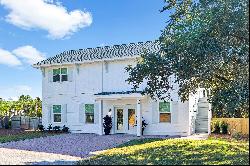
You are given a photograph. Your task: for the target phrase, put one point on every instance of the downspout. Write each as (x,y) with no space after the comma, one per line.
(101,111)
(102,75)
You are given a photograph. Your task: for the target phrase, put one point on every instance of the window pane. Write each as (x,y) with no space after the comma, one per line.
(165,117)
(89,118)
(56,78)
(164,106)
(56,108)
(56,71)
(131,117)
(119,119)
(89,108)
(64,78)
(64,71)
(57,117)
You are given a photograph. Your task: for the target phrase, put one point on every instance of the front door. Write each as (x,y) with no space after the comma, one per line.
(120,120)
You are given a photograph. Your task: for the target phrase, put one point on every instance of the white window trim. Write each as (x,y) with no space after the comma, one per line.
(60,75)
(86,114)
(165,113)
(57,114)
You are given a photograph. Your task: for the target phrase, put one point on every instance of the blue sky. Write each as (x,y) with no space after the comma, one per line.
(29,32)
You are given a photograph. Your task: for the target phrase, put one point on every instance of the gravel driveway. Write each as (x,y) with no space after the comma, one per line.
(59,149)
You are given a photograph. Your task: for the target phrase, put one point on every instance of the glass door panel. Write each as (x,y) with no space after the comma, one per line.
(119,120)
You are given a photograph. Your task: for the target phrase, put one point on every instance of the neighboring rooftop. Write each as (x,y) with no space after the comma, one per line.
(101,53)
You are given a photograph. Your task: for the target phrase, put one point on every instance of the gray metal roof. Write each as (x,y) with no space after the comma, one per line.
(100,53)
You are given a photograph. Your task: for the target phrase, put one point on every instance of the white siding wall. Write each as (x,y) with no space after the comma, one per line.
(86,80)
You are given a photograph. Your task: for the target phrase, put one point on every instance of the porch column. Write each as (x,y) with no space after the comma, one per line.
(100,104)
(139,118)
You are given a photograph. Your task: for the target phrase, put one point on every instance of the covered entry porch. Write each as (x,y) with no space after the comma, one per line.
(125,110)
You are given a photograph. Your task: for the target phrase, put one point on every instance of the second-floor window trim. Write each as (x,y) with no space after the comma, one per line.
(60,74)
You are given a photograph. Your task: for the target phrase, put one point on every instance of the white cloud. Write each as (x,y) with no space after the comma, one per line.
(24,54)
(7,58)
(46,15)
(30,54)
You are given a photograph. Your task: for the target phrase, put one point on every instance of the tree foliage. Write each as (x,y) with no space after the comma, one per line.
(25,105)
(205,44)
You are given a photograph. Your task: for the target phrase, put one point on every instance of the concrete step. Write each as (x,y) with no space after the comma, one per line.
(201,129)
(201,124)
(202,120)
(202,117)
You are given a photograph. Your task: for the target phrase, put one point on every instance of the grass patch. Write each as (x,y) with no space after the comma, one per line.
(23,136)
(174,152)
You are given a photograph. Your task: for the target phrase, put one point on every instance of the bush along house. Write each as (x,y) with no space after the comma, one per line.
(80,87)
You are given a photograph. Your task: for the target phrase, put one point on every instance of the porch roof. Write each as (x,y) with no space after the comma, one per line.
(119,95)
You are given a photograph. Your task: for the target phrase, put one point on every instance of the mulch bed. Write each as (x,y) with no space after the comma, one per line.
(11,131)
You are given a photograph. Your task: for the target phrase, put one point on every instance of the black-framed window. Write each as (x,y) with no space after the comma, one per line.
(60,75)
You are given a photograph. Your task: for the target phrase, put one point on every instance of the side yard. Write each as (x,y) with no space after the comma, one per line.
(174,152)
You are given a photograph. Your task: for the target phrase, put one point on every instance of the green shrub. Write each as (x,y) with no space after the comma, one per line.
(50,127)
(237,135)
(224,127)
(56,128)
(216,127)
(41,128)
(65,129)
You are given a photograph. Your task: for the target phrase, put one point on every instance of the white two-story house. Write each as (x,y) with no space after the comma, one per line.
(80,87)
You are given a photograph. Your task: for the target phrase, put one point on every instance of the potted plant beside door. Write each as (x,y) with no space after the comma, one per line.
(143,125)
(107,124)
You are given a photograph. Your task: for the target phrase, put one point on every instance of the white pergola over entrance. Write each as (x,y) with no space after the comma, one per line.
(100,98)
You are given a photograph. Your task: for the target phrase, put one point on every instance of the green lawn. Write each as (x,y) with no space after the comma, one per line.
(23,136)
(174,152)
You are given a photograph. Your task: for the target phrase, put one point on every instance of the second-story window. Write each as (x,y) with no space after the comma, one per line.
(60,75)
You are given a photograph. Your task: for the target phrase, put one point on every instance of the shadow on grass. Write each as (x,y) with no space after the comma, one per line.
(139,142)
(174,152)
